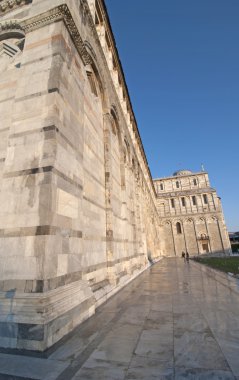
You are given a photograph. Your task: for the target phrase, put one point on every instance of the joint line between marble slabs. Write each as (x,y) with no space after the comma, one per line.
(137,342)
(216,339)
(79,361)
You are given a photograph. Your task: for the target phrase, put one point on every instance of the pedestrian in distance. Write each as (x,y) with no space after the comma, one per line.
(187,257)
(183,255)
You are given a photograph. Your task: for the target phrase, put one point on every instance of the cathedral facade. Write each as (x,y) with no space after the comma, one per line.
(80,216)
(191,215)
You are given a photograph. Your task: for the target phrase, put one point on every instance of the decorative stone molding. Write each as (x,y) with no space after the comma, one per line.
(8,5)
(61,12)
(11,29)
(203,236)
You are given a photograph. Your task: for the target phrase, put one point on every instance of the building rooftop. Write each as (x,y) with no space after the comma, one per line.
(182,172)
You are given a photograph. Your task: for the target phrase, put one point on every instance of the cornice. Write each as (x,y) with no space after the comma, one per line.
(179,176)
(9,5)
(63,13)
(181,193)
(122,76)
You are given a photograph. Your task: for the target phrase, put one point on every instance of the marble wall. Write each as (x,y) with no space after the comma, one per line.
(78,217)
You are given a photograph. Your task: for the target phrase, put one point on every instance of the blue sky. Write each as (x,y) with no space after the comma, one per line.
(181,63)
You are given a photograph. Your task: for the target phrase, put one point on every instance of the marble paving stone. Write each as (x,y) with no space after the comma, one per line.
(202,374)
(127,331)
(129,340)
(119,349)
(151,369)
(34,368)
(160,317)
(135,315)
(155,346)
(162,306)
(198,350)
(230,348)
(190,321)
(82,337)
(101,369)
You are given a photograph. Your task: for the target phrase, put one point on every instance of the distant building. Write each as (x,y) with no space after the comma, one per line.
(234,239)
(191,215)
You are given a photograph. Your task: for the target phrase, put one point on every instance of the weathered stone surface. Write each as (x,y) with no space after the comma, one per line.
(200,344)
(78,216)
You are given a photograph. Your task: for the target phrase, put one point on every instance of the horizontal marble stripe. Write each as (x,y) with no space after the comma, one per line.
(50,128)
(43,59)
(4,129)
(67,179)
(43,169)
(27,97)
(93,202)
(102,184)
(36,231)
(7,99)
(20,173)
(40,286)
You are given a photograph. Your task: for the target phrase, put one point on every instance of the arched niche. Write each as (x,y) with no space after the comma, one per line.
(95,77)
(12,39)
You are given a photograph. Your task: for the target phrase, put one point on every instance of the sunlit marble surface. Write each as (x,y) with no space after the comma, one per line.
(173,322)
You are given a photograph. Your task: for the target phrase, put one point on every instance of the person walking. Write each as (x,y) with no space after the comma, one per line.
(183,255)
(187,256)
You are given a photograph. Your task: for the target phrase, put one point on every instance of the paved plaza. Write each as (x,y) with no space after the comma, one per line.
(175,321)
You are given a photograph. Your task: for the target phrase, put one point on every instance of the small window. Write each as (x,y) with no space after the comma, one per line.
(194,200)
(172,203)
(92,82)
(195,182)
(179,228)
(161,186)
(177,185)
(183,202)
(205,199)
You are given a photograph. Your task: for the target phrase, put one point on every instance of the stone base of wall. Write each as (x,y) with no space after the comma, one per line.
(36,321)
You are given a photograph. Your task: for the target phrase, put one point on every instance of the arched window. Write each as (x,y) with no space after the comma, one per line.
(177,184)
(93,82)
(161,186)
(178,228)
(195,182)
